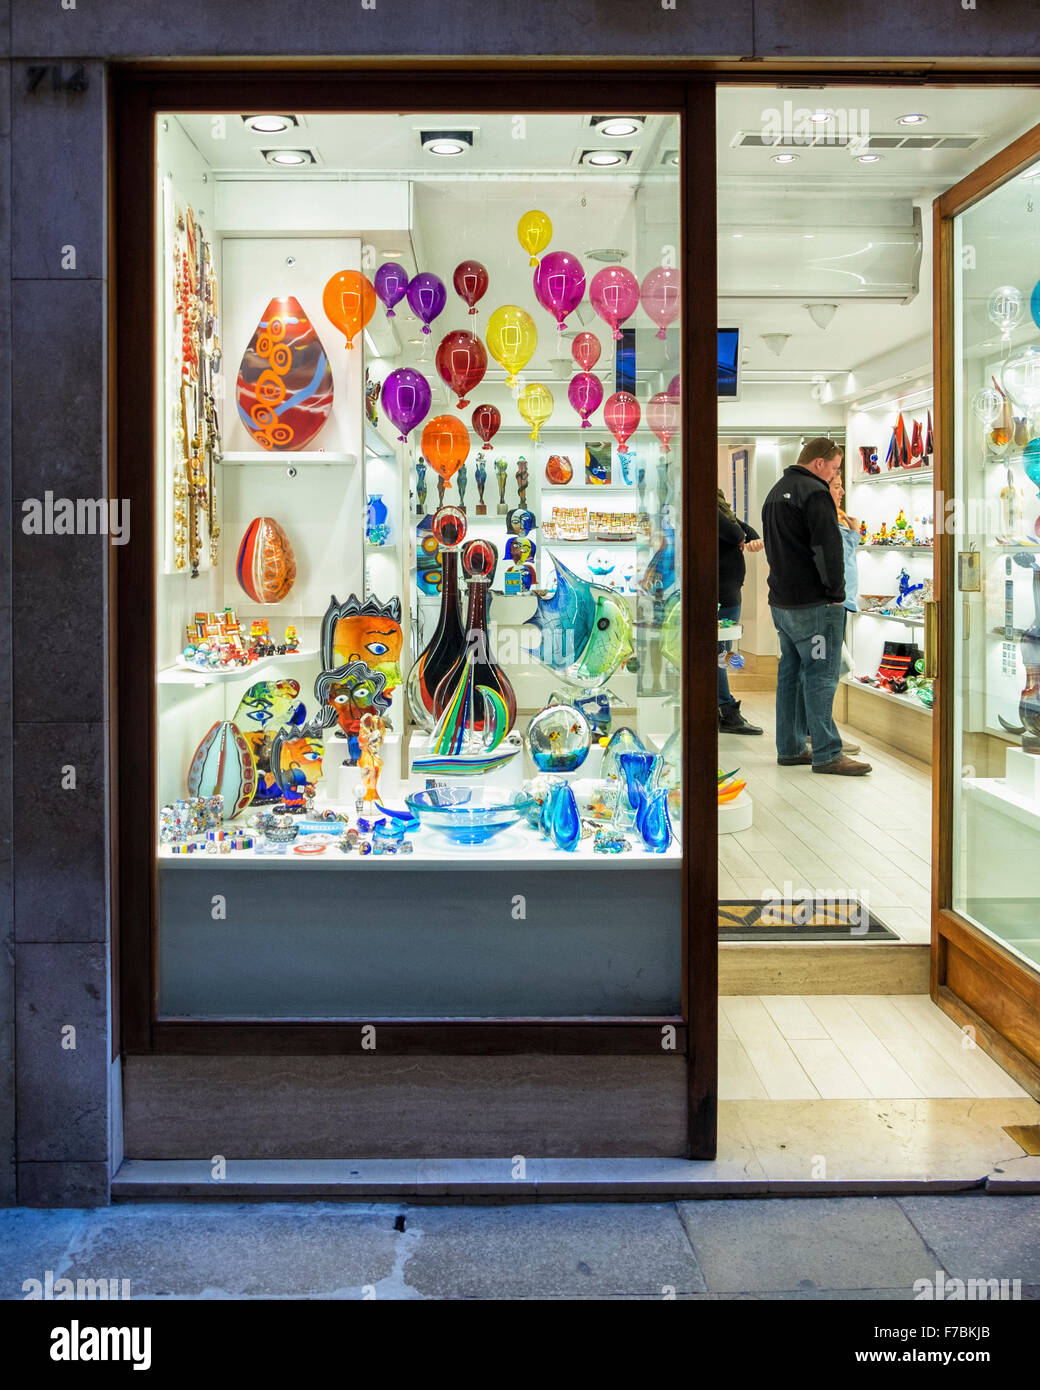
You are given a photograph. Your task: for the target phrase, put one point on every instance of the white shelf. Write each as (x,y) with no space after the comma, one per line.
(184,674)
(917,549)
(731,634)
(904,700)
(891,475)
(887,618)
(312,459)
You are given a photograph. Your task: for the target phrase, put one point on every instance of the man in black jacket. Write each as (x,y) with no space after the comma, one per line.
(806,597)
(735,536)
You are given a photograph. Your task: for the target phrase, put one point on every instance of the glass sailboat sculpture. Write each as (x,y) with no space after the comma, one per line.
(457,746)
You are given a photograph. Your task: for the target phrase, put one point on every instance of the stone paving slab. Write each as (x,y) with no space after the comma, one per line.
(973,1238)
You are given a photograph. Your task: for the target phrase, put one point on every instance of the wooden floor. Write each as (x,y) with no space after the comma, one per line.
(849,1047)
(868,837)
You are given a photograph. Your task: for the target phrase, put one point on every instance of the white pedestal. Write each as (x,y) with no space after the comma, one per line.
(1022,774)
(735,815)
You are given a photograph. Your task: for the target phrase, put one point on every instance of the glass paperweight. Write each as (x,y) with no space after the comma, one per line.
(558,739)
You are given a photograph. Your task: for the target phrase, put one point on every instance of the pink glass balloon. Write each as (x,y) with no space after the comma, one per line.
(586,350)
(614,294)
(622,415)
(559,284)
(585,393)
(662,415)
(659,296)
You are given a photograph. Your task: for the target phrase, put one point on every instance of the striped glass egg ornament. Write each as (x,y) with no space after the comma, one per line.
(224,765)
(266,566)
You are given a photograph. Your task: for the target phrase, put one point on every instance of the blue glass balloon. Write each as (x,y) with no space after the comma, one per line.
(566,822)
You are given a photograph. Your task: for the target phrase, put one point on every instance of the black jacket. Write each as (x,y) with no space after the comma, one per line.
(732,569)
(803,542)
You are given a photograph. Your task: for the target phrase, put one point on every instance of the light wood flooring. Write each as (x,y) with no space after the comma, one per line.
(849,1047)
(868,837)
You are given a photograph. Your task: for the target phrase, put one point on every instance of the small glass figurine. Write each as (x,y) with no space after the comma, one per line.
(462,477)
(501,473)
(521,480)
(480,473)
(371,732)
(442,483)
(420,488)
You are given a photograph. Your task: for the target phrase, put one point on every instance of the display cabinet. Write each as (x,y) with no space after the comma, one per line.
(988,799)
(418,637)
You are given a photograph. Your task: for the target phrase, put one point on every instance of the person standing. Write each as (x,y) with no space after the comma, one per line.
(735,536)
(806,598)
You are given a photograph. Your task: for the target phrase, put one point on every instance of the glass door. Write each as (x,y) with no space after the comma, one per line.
(987,512)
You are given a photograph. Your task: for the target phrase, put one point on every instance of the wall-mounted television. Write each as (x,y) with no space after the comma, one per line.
(729,363)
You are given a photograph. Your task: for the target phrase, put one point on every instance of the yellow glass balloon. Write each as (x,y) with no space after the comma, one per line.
(511,339)
(534,232)
(535,404)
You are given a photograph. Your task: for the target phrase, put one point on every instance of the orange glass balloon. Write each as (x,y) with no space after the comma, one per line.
(349,301)
(445,445)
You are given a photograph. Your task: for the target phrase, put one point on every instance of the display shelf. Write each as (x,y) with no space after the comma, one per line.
(924,549)
(995,793)
(888,618)
(731,634)
(596,540)
(309,459)
(901,475)
(907,701)
(181,673)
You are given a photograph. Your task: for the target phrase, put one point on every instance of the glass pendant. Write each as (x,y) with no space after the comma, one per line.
(479,559)
(448,642)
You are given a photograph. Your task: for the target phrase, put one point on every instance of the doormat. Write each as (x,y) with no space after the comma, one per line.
(1025,1136)
(800,919)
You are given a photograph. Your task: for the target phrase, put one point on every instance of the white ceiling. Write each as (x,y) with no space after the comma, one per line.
(468,207)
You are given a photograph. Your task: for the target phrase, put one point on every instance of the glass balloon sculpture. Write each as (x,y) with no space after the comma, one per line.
(284,387)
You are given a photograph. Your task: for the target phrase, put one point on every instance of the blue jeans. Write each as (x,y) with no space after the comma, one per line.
(731,610)
(810,661)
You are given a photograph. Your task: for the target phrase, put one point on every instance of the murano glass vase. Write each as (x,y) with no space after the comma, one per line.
(653,825)
(639,773)
(448,642)
(564,819)
(479,559)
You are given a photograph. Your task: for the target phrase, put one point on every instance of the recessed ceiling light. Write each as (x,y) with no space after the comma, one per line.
(268,125)
(610,255)
(868,159)
(446,142)
(617,129)
(784,158)
(820,117)
(289,156)
(603,159)
(911,118)
(390,255)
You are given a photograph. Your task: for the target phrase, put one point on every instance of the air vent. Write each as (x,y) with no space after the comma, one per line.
(821,139)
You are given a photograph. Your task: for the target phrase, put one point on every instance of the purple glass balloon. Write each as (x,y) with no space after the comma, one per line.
(559,283)
(427,297)
(406,399)
(585,392)
(391,284)
(673,388)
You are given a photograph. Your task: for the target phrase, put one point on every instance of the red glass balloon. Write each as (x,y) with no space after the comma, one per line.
(461,362)
(586,350)
(622,415)
(659,295)
(486,422)
(662,415)
(471,281)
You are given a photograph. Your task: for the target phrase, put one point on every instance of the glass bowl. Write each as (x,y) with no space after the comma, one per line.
(468,815)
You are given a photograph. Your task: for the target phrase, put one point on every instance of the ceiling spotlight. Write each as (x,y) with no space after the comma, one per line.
(776,342)
(911,118)
(446,142)
(784,158)
(289,156)
(821,117)
(269,125)
(868,159)
(610,255)
(390,255)
(617,127)
(821,314)
(605,159)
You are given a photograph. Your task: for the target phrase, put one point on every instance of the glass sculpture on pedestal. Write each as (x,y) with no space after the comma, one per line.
(448,641)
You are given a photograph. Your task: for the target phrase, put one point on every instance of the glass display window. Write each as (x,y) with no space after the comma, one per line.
(996,517)
(418,575)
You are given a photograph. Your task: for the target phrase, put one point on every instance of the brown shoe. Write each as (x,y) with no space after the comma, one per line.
(802,760)
(844,767)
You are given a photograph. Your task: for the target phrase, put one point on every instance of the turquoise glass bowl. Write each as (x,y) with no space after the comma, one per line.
(468,815)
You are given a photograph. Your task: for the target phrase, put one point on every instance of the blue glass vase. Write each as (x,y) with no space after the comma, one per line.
(639,773)
(376,528)
(565,822)
(653,825)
